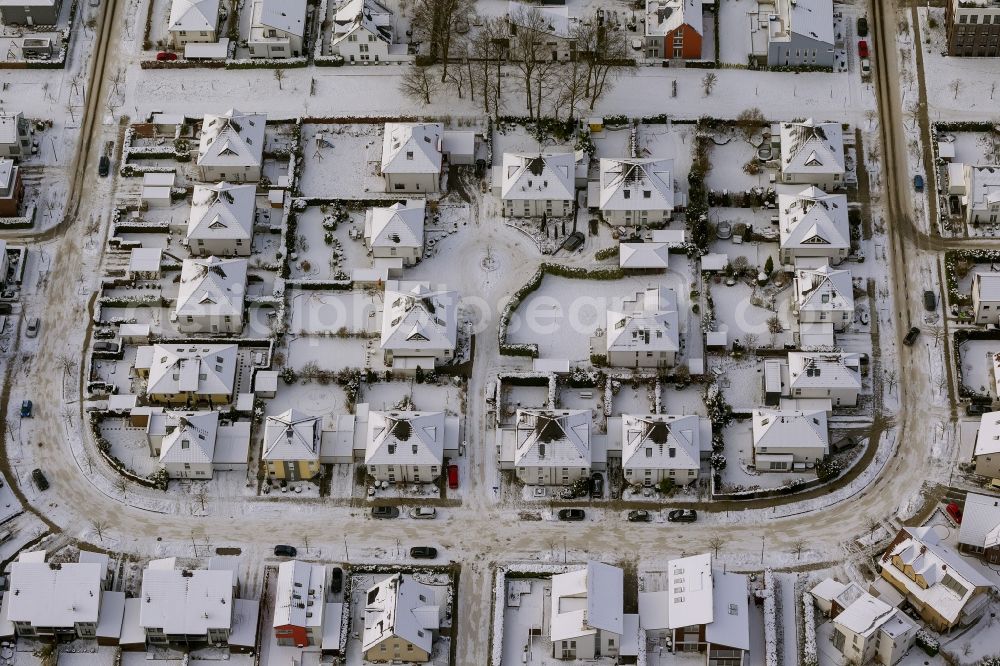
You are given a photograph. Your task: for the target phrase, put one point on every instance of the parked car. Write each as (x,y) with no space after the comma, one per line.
(866,67)
(930,300)
(423,512)
(977,409)
(39,479)
(33,325)
(639,516)
(105,346)
(104,166)
(385,512)
(6,536)
(911,336)
(862,26)
(596,485)
(104,333)
(862,48)
(423,552)
(26,407)
(281,550)
(166,56)
(453,477)
(573,241)
(918,183)
(336,580)
(572,514)
(5,308)
(955,512)
(682,516)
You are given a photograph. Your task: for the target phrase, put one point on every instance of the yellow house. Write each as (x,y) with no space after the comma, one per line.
(291,445)
(179,374)
(401,618)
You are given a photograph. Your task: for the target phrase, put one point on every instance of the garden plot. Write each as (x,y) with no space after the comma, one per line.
(117,373)
(739,474)
(328,312)
(266,246)
(974,147)
(309,397)
(634,398)
(562,325)
(326,249)
(129,445)
(669,141)
(612,142)
(741,380)
(740,311)
(441,396)
(734,49)
(333,353)
(518,139)
(977,366)
(688,400)
(582,398)
(342,162)
(977,89)
(728,160)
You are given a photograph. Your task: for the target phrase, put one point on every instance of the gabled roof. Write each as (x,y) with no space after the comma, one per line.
(365,14)
(418,319)
(987,286)
(665,16)
(637,184)
(292,435)
(533,176)
(660,441)
(401,607)
(587,600)
(199,368)
(988,437)
(212,287)
(690,600)
(405,438)
(412,148)
(300,594)
(813,219)
(649,322)
(865,615)
(46,594)
(234,139)
(643,255)
(982,185)
(980,521)
(190,437)
(285,15)
(824,370)
(555,17)
(398,225)
(823,289)
(194,15)
(782,428)
(730,626)
(222,212)
(552,438)
(186,602)
(812,148)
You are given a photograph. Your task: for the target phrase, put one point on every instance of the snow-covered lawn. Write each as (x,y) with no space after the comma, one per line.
(727,160)
(741,380)
(326,312)
(977,365)
(129,445)
(739,474)
(311,398)
(974,147)
(517,139)
(976,96)
(669,141)
(739,311)
(315,258)
(513,398)
(444,396)
(612,143)
(734,29)
(333,353)
(342,161)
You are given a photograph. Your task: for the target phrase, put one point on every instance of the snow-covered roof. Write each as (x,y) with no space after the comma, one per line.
(810,147)
(779,428)
(988,437)
(649,322)
(401,607)
(813,219)
(198,368)
(417,319)
(292,435)
(194,15)
(665,16)
(587,600)
(412,148)
(534,176)
(285,15)
(190,437)
(987,286)
(234,139)
(300,594)
(222,212)
(643,255)
(368,15)
(47,594)
(145,260)
(823,289)
(827,589)
(637,184)
(810,18)
(556,17)
(834,370)
(865,615)
(211,287)
(730,624)
(691,598)
(398,225)
(552,438)
(405,438)
(982,185)
(661,441)
(186,602)
(980,521)
(9,127)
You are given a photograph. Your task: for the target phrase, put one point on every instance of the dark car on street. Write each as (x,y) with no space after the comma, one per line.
(639,516)
(911,336)
(26,409)
(104,166)
(39,479)
(682,516)
(281,550)
(572,514)
(105,346)
(862,26)
(930,300)
(423,553)
(596,485)
(385,512)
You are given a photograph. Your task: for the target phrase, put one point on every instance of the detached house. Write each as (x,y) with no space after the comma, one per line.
(552,447)
(549,26)
(784,440)
(419,326)
(409,446)
(221,220)
(402,617)
(299,602)
(812,153)
(979,533)
(292,442)
(11,188)
(935,580)
(636,191)
(50,601)
(674,29)
(30,12)
(15,135)
(363,33)
(193,21)
(833,376)
(277,28)
(185,607)
(824,294)
(986,454)
(411,157)
(794,33)
(210,295)
(183,374)
(644,332)
(980,191)
(397,231)
(693,607)
(533,185)
(195,445)
(986,297)
(231,147)
(659,446)
(813,223)
(587,612)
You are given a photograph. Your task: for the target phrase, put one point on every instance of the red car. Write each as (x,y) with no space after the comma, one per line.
(862,48)
(954,512)
(453,476)
(166,56)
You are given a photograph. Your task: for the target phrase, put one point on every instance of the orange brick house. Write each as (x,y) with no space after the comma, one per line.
(674,29)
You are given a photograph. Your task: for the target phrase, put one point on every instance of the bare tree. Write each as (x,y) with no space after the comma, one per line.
(889,379)
(774,327)
(418,84)
(956,87)
(201,496)
(715,543)
(871,524)
(441,23)
(750,341)
(708,82)
(122,486)
(487,49)
(529,31)
(798,548)
(749,121)
(871,115)
(279,76)
(99,526)
(913,113)
(605,53)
